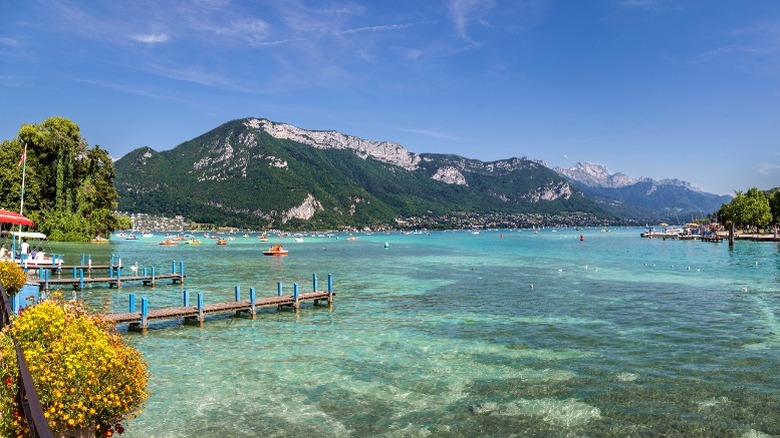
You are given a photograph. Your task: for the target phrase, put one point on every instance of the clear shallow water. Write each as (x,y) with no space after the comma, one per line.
(443,335)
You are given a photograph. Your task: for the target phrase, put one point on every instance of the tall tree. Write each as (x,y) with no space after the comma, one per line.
(69,187)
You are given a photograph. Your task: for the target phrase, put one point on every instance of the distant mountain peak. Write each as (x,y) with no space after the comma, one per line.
(598,175)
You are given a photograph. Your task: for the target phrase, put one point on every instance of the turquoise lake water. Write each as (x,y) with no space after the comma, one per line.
(461,334)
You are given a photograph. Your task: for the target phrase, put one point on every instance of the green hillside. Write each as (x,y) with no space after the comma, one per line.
(240,175)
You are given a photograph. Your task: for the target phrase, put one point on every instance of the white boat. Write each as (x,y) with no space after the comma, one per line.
(36,255)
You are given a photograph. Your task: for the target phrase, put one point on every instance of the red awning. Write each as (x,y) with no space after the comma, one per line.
(9,217)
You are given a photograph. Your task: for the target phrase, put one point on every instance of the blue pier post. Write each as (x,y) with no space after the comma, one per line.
(296,304)
(279,289)
(111,267)
(314,282)
(81,279)
(173,267)
(74,273)
(185,298)
(152,276)
(15,303)
(119,275)
(181,269)
(238,298)
(131,304)
(200,308)
(252,302)
(330,289)
(144,274)
(83,259)
(144,313)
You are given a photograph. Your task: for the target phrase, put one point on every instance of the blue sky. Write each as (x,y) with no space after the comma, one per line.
(658,88)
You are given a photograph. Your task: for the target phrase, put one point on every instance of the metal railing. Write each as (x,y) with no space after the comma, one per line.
(26,395)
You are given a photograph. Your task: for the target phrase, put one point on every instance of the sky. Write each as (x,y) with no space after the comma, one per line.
(655,88)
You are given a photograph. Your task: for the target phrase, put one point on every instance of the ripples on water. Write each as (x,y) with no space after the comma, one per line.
(455,334)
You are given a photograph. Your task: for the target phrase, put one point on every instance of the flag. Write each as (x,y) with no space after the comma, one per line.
(23,157)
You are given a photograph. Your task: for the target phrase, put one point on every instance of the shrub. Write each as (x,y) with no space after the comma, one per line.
(84,374)
(11,277)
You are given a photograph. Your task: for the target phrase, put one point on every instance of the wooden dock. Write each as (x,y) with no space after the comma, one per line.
(115,278)
(80,282)
(139,320)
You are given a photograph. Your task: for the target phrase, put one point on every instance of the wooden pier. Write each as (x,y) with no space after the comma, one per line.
(80,282)
(115,277)
(139,320)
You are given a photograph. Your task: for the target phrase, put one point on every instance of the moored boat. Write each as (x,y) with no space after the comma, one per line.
(169,242)
(221,242)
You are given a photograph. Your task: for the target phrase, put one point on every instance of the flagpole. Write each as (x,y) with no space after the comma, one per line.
(24,172)
(21,204)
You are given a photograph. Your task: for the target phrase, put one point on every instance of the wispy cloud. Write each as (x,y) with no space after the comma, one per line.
(767,168)
(381,28)
(465,12)
(151,38)
(436,133)
(7,41)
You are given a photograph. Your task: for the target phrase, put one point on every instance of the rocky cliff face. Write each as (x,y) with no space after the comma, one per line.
(388,152)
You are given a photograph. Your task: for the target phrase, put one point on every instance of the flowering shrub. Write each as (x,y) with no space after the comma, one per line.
(84,374)
(11,277)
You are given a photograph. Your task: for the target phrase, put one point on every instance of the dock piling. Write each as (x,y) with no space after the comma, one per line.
(296,303)
(252,302)
(144,313)
(131,304)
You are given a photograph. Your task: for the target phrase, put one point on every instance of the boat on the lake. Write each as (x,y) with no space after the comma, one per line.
(169,242)
(276,250)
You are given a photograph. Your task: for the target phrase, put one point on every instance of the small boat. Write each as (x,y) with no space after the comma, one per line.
(263,238)
(131,237)
(147,235)
(169,242)
(276,250)
(193,242)
(99,239)
(221,242)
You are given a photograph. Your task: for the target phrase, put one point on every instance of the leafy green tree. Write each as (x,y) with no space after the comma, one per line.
(774,205)
(69,188)
(747,209)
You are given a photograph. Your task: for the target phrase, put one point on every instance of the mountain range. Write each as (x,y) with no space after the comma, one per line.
(257,173)
(642,199)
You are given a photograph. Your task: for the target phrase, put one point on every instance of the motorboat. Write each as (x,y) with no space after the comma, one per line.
(169,242)
(221,242)
(276,250)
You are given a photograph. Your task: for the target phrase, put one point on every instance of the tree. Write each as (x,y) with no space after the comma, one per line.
(774,205)
(747,209)
(69,188)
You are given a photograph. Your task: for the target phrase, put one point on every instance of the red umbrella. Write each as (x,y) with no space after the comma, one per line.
(9,217)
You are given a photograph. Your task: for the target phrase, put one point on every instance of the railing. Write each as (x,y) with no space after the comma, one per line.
(26,396)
